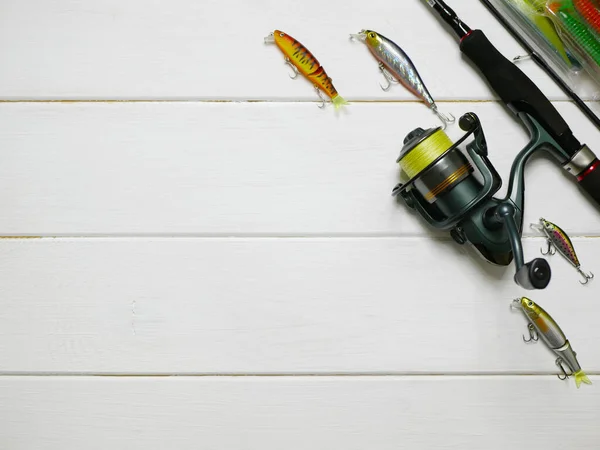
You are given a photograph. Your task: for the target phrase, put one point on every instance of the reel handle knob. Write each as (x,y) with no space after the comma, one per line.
(536,274)
(468,122)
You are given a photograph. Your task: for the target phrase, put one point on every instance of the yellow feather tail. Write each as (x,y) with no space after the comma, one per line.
(338,102)
(581,377)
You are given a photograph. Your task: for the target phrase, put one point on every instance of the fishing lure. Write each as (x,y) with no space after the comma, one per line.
(534,13)
(589,11)
(302,61)
(541,324)
(557,239)
(578,31)
(396,67)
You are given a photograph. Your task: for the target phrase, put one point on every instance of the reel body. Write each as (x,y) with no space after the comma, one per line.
(453,189)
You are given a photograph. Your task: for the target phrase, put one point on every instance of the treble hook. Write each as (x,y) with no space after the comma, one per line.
(294,68)
(551,249)
(587,276)
(565,375)
(445,118)
(323,99)
(388,77)
(533,334)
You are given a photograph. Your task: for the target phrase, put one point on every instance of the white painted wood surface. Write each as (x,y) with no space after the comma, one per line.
(201,235)
(241,169)
(297,413)
(348,305)
(213,49)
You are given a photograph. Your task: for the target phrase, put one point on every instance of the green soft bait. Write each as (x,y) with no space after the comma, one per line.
(570,21)
(534,13)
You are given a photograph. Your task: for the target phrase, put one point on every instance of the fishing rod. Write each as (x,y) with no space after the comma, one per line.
(524,98)
(440,181)
(537,58)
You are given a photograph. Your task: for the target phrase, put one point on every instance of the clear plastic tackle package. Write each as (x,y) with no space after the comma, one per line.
(564,34)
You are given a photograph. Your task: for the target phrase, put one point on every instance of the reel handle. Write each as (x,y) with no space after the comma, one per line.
(535,274)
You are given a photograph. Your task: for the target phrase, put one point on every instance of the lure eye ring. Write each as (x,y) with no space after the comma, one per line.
(530,304)
(372,35)
(281,34)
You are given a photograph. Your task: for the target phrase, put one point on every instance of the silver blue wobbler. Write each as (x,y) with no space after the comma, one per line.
(396,67)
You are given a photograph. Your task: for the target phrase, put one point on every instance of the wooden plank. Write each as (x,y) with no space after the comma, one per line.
(278,306)
(239,169)
(297,413)
(182,49)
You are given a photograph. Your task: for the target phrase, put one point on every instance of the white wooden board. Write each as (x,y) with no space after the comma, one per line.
(241,169)
(213,49)
(220,224)
(278,306)
(296,413)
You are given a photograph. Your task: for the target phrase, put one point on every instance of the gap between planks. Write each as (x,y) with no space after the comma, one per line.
(399,375)
(240,101)
(441,237)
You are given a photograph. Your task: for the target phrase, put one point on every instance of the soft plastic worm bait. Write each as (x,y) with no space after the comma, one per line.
(589,11)
(534,11)
(567,15)
(302,61)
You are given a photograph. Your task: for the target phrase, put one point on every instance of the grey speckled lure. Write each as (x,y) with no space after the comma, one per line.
(397,67)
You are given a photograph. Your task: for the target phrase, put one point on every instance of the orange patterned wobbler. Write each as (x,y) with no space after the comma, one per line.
(302,61)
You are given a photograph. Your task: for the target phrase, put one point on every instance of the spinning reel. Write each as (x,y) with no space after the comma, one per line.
(453,189)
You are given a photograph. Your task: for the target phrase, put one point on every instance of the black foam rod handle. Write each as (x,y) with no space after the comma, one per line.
(516,89)
(589,181)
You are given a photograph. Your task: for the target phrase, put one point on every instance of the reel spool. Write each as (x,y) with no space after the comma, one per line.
(435,166)
(453,189)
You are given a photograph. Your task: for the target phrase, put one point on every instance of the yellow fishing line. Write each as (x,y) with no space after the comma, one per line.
(425,153)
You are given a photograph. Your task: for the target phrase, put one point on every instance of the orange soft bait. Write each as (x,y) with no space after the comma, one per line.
(589,11)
